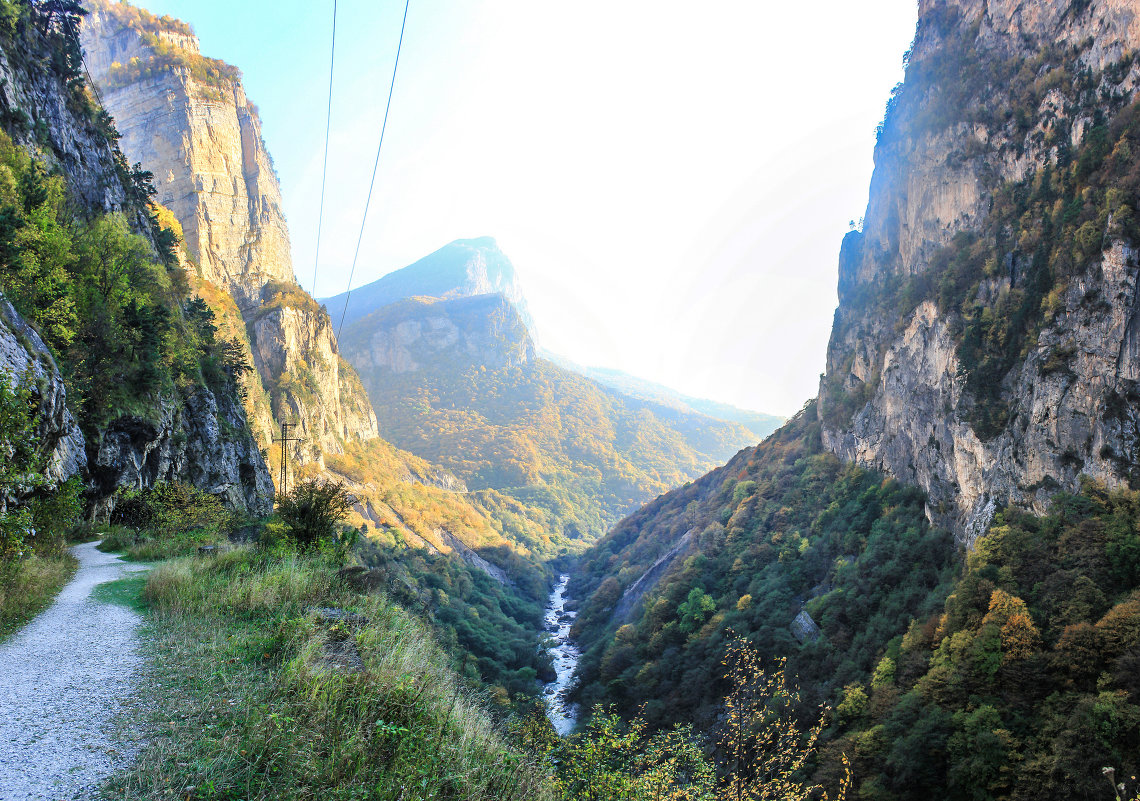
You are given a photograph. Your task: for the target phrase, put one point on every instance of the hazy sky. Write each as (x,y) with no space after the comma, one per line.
(672,180)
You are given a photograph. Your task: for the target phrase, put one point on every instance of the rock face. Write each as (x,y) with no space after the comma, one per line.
(37,114)
(999,102)
(205,438)
(295,349)
(201,138)
(25,359)
(187,442)
(403,337)
(185,117)
(464,268)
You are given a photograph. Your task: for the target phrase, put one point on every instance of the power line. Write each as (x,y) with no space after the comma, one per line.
(285,440)
(372,183)
(325,166)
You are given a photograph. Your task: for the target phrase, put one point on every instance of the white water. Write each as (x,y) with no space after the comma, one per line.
(562,715)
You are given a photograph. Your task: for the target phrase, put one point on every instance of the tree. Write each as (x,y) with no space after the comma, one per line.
(613,761)
(765,747)
(313,511)
(695,610)
(19,464)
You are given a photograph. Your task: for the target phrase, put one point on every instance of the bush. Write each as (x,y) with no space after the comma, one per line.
(171,508)
(19,465)
(314,510)
(168,519)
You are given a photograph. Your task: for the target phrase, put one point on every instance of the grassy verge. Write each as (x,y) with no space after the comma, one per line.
(155,546)
(251,705)
(126,591)
(27,587)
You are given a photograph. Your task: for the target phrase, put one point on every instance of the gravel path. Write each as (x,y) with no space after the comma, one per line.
(62,680)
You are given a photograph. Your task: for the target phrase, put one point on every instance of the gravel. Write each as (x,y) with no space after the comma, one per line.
(63,679)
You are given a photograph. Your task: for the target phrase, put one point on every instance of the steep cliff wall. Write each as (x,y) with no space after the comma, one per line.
(296,352)
(984,347)
(178,428)
(185,117)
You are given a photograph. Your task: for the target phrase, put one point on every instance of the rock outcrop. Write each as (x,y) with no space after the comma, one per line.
(191,442)
(26,360)
(403,337)
(186,119)
(296,352)
(997,108)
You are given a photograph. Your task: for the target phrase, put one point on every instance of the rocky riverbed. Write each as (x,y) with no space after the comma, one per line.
(565,655)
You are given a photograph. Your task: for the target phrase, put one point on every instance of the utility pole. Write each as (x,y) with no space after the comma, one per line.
(285,440)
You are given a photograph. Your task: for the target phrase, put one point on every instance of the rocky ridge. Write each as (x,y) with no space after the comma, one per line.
(186,119)
(45,116)
(900,394)
(401,338)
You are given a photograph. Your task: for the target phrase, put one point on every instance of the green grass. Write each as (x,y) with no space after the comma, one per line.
(148,546)
(248,707)
(29,586)
(126,591)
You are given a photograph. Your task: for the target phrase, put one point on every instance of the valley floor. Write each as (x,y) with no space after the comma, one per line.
(62,679)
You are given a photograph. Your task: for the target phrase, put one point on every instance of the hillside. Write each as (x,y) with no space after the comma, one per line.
(783,529)
(980,387)
(759,423)
(458,383)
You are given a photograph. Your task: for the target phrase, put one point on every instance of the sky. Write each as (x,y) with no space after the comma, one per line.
(672,180)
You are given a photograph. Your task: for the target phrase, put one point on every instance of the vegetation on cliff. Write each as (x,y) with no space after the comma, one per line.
(1002,282)
(1025,685)
(35,519)
(160,36)
(784,528)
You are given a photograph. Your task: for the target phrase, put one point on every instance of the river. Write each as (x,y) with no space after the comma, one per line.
(558,620)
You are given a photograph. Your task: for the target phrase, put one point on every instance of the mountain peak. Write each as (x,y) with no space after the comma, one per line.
(463,268)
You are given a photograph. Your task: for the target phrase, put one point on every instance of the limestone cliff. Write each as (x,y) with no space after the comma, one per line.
(296,352)
(176,431)
(985,344)
(185,117)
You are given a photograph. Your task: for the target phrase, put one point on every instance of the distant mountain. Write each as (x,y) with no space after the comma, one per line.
(457,381)
(758,423)
(463,268)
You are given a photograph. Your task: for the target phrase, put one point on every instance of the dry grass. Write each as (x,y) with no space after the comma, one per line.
(249,707)
(28,586)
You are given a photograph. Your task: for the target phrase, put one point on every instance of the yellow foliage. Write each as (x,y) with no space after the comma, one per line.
(1019,637)
(1003,606)
(763,740)
(166,219)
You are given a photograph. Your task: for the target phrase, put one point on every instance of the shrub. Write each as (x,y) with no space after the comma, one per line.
(314,510)
(18,464)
